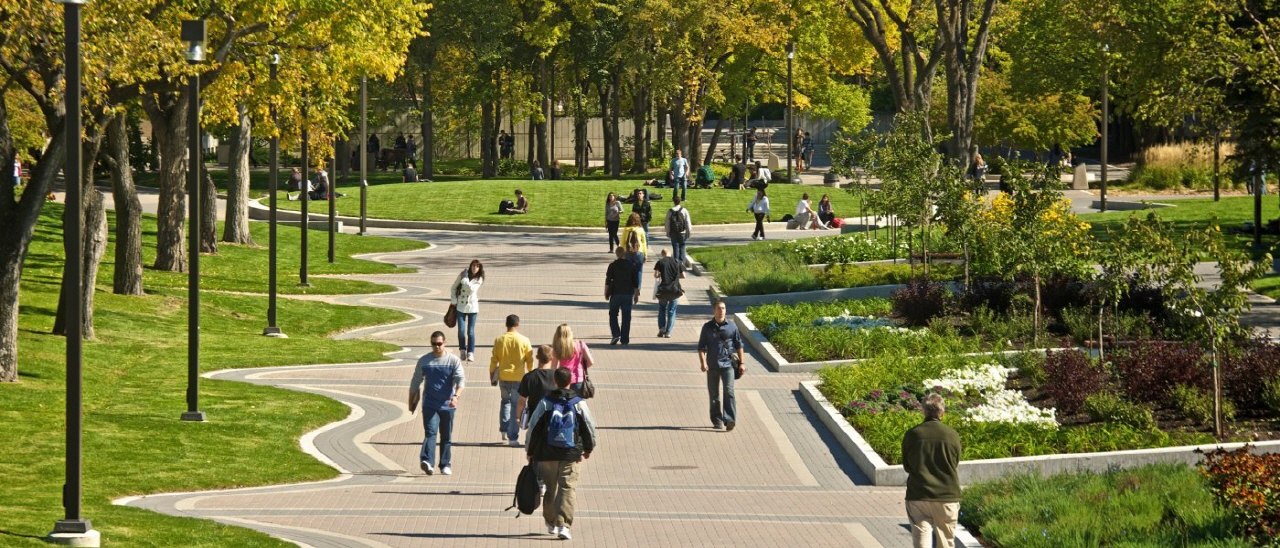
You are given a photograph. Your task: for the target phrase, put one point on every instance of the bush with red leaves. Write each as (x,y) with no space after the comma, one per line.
(1244,376)
(920,302)
(1149,371)
(1072,378)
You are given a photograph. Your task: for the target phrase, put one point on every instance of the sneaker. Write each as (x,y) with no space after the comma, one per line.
(717,426)
(614,341)
(662,334)
(426,467)
(728,426)
(552,529)
(563,533)
(446,470)
(471,356)
(514,443)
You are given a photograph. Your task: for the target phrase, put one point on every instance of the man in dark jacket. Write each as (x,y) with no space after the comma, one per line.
(558,460)
(931,458)
(622,292)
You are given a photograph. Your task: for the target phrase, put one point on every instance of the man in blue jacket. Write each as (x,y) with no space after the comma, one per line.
(441,377)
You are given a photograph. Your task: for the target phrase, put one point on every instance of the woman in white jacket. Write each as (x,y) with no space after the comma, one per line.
(465,294)
(759,206)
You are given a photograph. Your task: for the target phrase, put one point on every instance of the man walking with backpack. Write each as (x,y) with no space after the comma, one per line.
(677,226)
(442,374)
(563,435)
(720,339)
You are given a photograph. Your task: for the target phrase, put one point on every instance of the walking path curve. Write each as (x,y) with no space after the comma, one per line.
(660,477)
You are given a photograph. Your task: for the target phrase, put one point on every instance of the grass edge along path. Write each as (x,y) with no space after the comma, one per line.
(135,378)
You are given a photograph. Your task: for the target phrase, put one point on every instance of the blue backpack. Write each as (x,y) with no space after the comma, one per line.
(562,424)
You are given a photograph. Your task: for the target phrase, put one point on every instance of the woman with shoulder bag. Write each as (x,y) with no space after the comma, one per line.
(574,356)
(612,216)
(465,295)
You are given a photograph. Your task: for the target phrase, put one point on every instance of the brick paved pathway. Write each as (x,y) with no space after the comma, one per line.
(660,477)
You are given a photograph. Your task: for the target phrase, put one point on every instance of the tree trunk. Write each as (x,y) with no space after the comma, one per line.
(715,139)
(428,127)
(615,109)
(679,124)
(128,269)
(544,88)
(94,247)
(168,114)
(963,67)
(580,157)
(640,119)
(487,161)
(605,124)
(662,129)
(236,230)
(209,212)
(910,82)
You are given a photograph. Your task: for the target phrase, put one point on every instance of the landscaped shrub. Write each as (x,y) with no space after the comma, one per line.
(806,343)
(1073,377)
(769,318)
(1248,486)
(1271,395)
(1245,375)
(1157,506)
(848,249)
(1197,404)
(992,294)
(1149,371)
(1082,324)
(1110,407)
(1061,291)
(1030,367)
(1144,299)
(920,302)
(842,276)
(989,326)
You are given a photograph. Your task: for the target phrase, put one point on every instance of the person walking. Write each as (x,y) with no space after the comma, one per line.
(667,271)
(678,226)
(680,173)
(465,294)
(760,207)
(622,291)
(563,436)
(572,354)
(751,144)
(643,208)
(512,358)
(536,384)
(931,459)
(720,339)
(612,216)
(441,378)
(807,148)
(635,243)
(797,141)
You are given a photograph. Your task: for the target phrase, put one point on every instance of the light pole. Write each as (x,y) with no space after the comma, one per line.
(364,144)
(791,55)
(273,330)
(1106,92)
(193,33)
(305,197)
(331,192)
(73,529)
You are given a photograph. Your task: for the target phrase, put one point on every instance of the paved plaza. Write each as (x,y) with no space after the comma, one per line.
(661,475)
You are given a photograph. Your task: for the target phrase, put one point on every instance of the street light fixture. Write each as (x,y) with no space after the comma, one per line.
(791,130)
(193,33)
(305,196)
(73,529)
(364,140)
(272,329)
(1106,92)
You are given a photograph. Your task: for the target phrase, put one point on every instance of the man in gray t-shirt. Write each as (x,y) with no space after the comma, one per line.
(441,377)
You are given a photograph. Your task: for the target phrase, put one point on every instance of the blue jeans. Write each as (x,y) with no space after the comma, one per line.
(637,259)
(508,422)
(677,249)
(620,303)
(467,331)
(716,377)
(433,421)
(667,315)
(682,183)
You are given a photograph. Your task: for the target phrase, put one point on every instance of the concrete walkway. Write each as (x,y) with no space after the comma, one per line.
(660,477)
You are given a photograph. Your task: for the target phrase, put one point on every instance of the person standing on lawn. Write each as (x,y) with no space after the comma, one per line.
(680,174)
(678,227)
(512,358)
(931,459)
(562,437)
(720,339)
(441,377)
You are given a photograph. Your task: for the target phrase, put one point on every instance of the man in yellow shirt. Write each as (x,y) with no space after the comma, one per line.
(512,358)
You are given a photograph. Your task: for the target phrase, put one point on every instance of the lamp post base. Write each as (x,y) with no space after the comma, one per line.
(275,332)
(193,416)
(304,284)
(75,532)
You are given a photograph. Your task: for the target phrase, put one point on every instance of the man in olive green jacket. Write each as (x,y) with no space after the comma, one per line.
(931,457)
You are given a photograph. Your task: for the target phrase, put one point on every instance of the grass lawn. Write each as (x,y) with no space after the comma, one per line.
(134,393)
(1190,214)
(563,203)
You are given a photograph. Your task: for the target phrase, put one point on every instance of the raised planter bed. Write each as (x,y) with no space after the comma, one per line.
(883,474)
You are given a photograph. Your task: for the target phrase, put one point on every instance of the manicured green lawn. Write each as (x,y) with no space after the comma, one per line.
(134,393)
(563,203)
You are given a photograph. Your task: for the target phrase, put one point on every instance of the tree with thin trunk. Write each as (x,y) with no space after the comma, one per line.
(128,268)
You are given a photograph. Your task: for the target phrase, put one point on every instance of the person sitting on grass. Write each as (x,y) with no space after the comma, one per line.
(410,174)
(520,207)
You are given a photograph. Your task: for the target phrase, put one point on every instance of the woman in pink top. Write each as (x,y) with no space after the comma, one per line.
(570,354)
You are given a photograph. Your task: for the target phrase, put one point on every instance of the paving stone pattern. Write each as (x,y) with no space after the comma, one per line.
(661,475)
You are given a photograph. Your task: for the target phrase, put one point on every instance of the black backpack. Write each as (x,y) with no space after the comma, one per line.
(506,206)
(678,226)
(528,495)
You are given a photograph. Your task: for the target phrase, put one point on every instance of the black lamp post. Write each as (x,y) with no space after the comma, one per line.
(332,192)
(73,529)
(1106,100)
(364,144)
(193,33)
(305,197)
(272,329)
(791,55)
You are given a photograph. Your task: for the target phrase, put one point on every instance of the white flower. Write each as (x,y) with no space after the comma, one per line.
(986,384)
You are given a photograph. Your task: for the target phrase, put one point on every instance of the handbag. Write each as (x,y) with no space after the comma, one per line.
(669,291)
(451,316)
(588,388)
